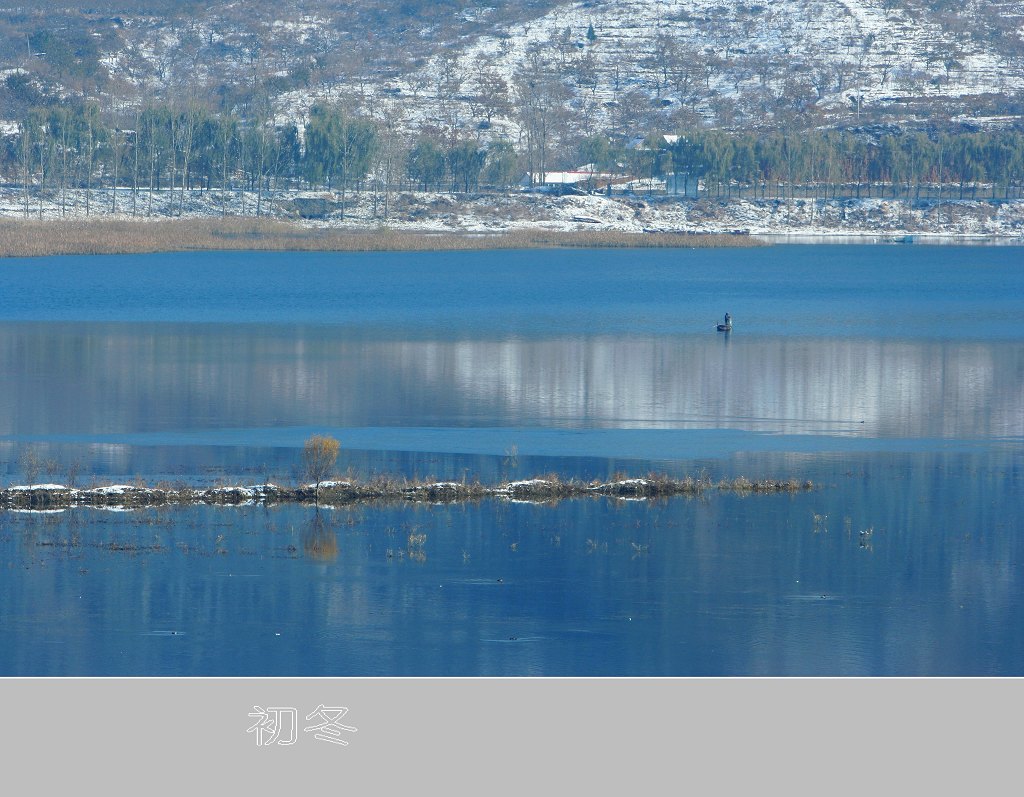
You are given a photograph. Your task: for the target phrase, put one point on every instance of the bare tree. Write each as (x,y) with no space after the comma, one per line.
(389,157)
(540,102)
(448,88)
(30,463)
(492,95)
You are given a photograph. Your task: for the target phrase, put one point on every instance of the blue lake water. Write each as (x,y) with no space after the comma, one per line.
(892,376)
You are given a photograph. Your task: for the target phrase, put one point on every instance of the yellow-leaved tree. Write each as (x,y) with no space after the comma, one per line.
(319,453)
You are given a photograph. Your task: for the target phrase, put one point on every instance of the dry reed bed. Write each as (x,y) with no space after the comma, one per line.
(35,238)
(339,493)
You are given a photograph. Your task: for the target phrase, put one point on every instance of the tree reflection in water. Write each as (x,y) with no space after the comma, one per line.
(319,539)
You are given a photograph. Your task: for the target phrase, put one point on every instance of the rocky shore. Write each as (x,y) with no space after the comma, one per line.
(44,497)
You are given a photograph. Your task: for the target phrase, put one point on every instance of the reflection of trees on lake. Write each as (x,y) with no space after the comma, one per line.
(319,539)
(104,379)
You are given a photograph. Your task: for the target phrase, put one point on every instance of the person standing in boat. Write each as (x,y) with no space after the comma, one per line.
(728,320)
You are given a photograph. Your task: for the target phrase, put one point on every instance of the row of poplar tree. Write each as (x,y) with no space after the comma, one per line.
(162,148)
(836,163)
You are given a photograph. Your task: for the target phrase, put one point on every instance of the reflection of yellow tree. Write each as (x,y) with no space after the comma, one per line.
(416,542)
(319,540)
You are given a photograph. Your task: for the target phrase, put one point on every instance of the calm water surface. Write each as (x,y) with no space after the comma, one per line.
(892,376)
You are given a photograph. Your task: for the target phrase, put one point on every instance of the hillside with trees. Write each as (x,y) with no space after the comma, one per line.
(167,100)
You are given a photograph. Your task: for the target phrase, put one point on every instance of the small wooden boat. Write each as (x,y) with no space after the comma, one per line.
(727,326)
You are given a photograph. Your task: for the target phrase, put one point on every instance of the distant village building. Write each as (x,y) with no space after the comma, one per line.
(583,179)
(644,142)
(587,180)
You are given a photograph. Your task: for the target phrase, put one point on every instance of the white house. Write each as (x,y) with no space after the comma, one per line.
(584,178)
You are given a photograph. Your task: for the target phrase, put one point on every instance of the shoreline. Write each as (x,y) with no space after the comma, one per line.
(875,238)
(44,238)
(30,238)
(551,488)
(423,221)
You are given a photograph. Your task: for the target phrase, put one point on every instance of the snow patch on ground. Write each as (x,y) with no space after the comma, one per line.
(429,212)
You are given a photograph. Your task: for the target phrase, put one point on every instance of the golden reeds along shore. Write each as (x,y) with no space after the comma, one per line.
(381,488)
(39,238)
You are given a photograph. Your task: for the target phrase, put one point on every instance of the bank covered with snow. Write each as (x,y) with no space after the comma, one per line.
(433,212)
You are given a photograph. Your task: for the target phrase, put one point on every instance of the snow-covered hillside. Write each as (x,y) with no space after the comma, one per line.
(848,55)
(623,66)
(887,49)
(630,66)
